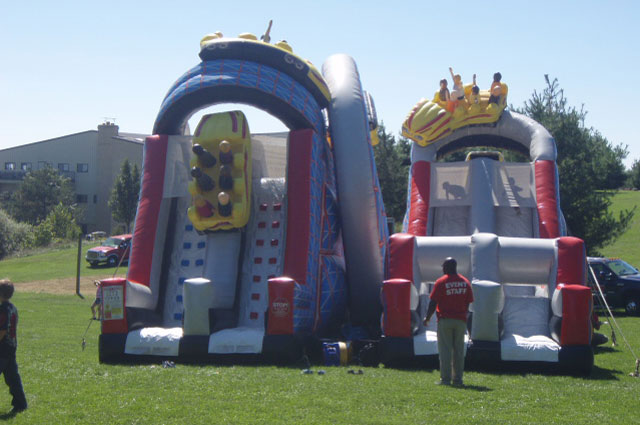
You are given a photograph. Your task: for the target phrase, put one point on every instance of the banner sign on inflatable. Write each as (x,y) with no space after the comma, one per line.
(113,301)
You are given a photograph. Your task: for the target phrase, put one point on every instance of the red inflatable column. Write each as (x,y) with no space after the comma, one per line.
(396,295)
(420,193)
(547,199)
(147,218)
(113,312)
(298,205)
(576,315)
(572,261)
(401,246)
(280,314)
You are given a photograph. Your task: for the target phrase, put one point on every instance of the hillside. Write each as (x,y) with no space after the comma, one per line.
(626,246)
(54,270)
(61,263)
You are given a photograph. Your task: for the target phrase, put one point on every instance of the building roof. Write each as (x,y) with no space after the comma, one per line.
(140,138)
(132,137)
(272,137)
(48,140)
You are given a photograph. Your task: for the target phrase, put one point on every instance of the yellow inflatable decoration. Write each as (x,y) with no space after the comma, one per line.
(312,72)
(221,171)
(431,120)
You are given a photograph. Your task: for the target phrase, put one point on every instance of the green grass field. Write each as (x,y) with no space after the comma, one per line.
(57,263)
(66,385)
(626,247)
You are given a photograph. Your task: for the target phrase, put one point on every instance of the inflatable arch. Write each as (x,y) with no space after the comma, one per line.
(532,188)
(240,250)
(503,224)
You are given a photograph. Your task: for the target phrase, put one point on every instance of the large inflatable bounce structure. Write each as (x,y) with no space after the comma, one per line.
(248,246)
(502,222)
(241,248)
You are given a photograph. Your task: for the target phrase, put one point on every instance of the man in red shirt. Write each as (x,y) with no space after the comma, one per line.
(450,299)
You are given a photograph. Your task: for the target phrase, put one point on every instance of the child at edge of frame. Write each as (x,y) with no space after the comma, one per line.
(9,345)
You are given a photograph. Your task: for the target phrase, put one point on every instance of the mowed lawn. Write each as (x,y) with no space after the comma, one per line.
(626,246)
(65,385)
(57,263)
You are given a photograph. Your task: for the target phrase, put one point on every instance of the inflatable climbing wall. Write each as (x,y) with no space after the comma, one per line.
(240,249)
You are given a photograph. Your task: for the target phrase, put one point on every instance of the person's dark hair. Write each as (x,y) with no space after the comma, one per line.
(497,77)
(443,81)
(475,89)
(6,288)
(450,265)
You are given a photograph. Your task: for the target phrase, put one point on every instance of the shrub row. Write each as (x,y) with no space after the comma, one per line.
(15,236)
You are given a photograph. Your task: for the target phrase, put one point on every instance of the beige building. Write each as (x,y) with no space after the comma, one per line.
(91,159)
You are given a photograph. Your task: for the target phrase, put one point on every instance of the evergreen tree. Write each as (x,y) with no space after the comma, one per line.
(584,161)
(124,195)
(392,159)
(634,175)
(39,193)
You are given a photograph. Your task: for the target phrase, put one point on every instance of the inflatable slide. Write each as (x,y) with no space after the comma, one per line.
(502,222)
(245,245)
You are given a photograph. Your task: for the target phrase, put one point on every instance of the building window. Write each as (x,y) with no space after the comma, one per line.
(95,199)
(63,166)
(43,164)
(81,199)
(82,168)
(10,166)
(25,166)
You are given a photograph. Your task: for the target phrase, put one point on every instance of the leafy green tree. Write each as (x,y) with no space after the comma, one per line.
(587,162)
(124,196)
(392,164)
(62,222)
(39,193)
(14,236)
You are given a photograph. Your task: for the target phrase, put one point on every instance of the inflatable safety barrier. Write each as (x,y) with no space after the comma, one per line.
(531,307)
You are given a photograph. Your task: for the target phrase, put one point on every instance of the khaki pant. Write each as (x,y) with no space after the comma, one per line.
(451,349)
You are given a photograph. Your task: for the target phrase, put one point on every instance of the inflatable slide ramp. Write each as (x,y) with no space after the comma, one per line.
(503,224)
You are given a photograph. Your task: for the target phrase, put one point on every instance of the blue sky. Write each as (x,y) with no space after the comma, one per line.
(66,65)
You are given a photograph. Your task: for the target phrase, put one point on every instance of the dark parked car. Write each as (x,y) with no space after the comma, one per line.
(111,252)
(620,283)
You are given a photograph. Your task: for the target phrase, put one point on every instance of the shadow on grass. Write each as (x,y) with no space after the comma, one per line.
(7,416)
(478,388)
(105,266)
(600,374)
(10,414)
(603,349)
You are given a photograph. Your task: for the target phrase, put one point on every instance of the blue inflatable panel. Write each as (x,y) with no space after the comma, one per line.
(238,81)
(270,55)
